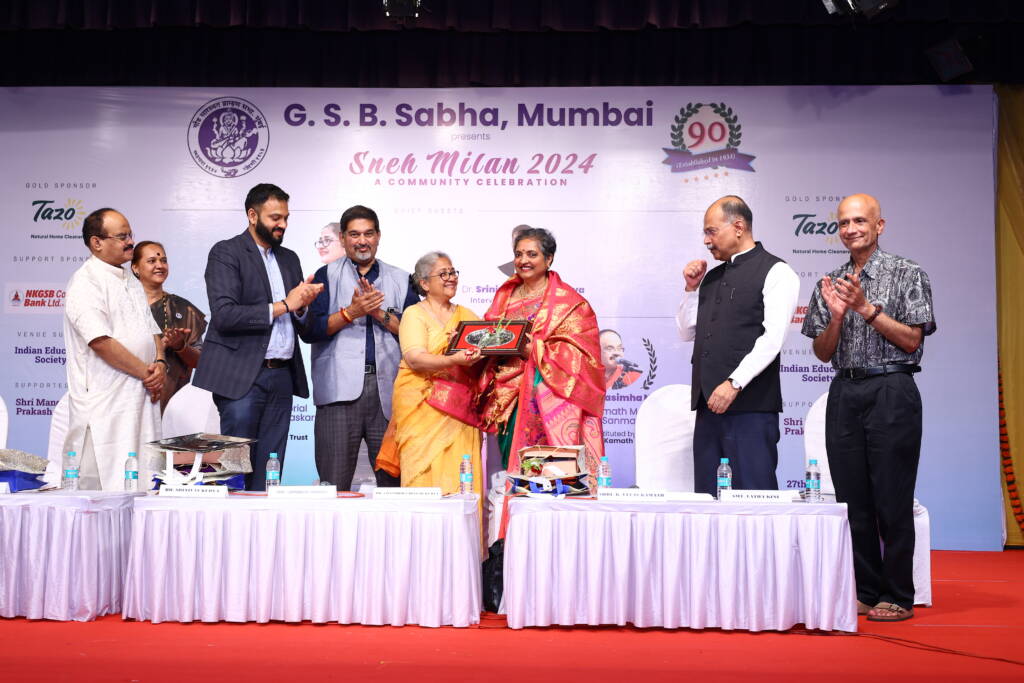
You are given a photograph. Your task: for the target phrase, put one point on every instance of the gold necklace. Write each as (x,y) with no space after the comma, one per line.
(525,293)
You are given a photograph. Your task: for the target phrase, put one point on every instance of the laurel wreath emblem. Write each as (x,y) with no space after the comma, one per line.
(678,129)
(652,360)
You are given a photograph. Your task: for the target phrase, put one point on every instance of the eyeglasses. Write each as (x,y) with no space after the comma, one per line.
(124,237)
(446,275)
(324,242)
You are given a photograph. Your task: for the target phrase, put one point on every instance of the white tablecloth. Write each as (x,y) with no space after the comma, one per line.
(63,554)
(679,564)
(347,561)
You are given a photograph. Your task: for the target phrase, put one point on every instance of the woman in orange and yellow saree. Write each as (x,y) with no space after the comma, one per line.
(424,445)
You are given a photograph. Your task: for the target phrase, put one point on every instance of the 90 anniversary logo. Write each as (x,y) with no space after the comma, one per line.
(706,136)
(228,137)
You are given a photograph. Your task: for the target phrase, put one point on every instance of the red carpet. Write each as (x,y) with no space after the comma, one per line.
(978,610)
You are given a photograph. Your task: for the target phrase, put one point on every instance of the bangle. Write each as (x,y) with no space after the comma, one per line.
(286,309)
(871,318)
(345,315)
(161,360)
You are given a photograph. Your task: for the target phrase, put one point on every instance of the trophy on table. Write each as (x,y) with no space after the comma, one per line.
(223,458)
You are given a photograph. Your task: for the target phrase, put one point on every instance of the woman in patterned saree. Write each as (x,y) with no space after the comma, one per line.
(182,323)
(555,394)
(422,442)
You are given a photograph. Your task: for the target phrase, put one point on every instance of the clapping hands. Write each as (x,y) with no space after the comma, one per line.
(843,294)
(175,338)
(303,294)
(365,300)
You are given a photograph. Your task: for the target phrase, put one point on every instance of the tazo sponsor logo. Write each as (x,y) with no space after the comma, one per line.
(69,216)
(228,137)
(811,224)
(706,136)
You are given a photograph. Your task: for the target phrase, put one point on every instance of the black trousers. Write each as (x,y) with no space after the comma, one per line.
(749,439)
(873,439)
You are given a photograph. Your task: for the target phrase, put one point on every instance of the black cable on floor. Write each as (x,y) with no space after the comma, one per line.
(906,642)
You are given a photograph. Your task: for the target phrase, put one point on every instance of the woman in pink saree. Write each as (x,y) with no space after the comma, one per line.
(555,394)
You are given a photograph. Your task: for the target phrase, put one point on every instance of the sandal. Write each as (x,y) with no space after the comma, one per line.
(863,608)
(889,611)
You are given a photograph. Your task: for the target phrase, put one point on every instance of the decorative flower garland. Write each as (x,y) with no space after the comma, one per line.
(1004,450)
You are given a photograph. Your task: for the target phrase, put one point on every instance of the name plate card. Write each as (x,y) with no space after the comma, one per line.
(689,497)
(752,496)
(320,492)
(632,495)
(407,493)
(193,491)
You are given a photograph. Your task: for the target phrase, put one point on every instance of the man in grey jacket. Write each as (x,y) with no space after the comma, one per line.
(353,327)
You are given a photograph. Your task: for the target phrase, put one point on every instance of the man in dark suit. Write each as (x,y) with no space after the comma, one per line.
(251,361)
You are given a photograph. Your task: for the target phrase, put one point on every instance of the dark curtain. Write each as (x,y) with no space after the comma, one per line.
(458,43)
(473,15)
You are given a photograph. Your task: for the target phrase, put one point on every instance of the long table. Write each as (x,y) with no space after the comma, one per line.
(679,564)
(63,554)
(253,558)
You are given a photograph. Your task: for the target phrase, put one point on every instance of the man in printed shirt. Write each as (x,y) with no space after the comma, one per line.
(869,318)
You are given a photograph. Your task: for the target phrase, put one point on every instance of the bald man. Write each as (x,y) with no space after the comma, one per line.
(869,318)
(737,316)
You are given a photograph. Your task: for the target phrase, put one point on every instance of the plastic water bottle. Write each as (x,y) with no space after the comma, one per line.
(273,471)
(812,482)
(131,472)
(466,474)
(724,477)
(69,478)
(604,473)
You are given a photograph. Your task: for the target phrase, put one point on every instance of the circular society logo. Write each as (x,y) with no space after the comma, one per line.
(228,137)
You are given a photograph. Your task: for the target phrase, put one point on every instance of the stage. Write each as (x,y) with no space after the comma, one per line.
(972,633)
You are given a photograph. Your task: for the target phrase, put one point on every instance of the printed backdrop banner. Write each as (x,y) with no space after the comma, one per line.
(622,176)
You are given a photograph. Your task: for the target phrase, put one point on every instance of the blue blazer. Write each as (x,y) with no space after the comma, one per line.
(239,332)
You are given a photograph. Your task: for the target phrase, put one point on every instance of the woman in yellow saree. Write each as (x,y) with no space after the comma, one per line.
(423,444)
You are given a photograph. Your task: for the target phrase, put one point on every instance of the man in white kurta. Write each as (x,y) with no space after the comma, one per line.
(115,360)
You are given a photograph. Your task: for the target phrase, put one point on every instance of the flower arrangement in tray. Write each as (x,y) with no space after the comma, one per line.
(493,337)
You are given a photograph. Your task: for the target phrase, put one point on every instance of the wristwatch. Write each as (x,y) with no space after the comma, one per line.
(735,384)
(387,316)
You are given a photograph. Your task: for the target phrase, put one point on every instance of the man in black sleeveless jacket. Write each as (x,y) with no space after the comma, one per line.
(737,315)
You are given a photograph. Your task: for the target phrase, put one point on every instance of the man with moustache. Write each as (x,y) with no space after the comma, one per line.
(115,358)
(618,372)
(737,316)
(869,318)
(353,327)
(251,361)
